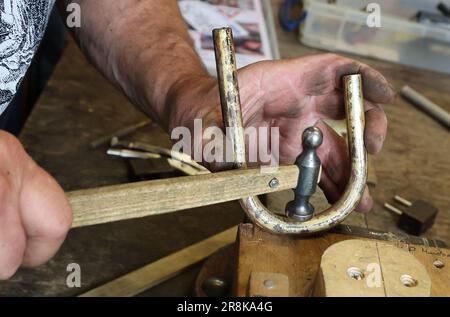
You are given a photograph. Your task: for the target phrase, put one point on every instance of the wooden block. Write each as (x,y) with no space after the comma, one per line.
(403,274)
(299,259)
(260,251)
(333,277)
(369,268)
(418,218)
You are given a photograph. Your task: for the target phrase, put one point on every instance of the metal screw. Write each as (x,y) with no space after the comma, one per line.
(408,280)
(269,284)
(439,264)
(395,210)
(355,273)
(274,183)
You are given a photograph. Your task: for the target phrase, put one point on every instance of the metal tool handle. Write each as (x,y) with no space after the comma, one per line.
(231,109)
(309,166)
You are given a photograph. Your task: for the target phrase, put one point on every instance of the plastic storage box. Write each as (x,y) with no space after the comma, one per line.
(343,27)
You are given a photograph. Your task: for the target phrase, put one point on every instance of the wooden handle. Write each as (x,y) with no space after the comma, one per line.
(135,200)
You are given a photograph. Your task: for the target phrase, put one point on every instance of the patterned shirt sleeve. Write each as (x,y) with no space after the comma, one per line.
(22,25)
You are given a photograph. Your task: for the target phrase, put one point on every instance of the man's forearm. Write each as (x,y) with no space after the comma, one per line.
(145,49)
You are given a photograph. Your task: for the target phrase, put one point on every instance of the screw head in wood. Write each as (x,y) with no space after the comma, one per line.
(269,284)
(408,280)
(439,264)
(355,273)
(274,183)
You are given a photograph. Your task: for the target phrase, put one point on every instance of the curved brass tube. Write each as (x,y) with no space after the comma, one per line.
(231,109)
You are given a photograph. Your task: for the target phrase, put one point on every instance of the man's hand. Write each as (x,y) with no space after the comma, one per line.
(34,212)
(294,95)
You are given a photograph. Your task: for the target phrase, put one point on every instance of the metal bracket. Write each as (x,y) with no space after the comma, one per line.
(232,117)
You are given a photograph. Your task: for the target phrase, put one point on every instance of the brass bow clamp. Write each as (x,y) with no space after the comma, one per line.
(299,218)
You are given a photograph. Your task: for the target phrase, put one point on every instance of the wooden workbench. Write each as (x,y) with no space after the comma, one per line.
(79,105)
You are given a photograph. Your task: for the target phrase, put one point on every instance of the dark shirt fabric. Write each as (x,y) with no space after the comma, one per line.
(22,25)
(11,118)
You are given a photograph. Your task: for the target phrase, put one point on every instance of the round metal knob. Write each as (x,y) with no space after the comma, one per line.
(309,171)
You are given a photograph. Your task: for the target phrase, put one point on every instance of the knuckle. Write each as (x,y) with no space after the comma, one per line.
(48,208)
(60,223)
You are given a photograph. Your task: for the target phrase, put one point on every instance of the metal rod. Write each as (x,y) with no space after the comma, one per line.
(120,133)
(254,209)
(426,105)
(395,210)
(132,154)
(403,201)
(149,148)
(229,93)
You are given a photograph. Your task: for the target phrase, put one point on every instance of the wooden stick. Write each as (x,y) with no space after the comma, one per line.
(120,133)
(427,105)
(157,272)
(135,200)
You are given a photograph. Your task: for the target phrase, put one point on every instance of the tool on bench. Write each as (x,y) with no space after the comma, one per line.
(120,133)
(444,9)
(426,105)
(141,199)
(139,150)
(441,19)
(417,218)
